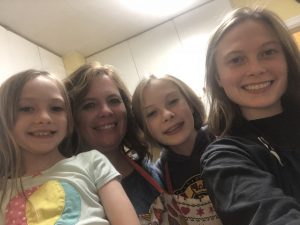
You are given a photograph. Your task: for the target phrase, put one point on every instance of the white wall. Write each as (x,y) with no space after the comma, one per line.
(177,47)
(5,59)
(19,54)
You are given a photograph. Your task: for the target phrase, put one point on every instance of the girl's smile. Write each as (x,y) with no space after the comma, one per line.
(168,116)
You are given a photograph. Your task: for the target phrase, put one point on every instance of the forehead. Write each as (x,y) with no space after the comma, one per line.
(156,90)
(101,86)
(41,88)
(246,34)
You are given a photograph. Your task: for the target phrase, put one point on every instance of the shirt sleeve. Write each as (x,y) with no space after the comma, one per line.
(243,187)
(103,170)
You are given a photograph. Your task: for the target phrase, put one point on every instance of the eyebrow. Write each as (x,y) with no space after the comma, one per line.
(175,92)
(229,53)
(33,98)
(276,42)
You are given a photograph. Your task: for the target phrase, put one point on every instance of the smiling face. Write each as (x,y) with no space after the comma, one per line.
(102,117)
(168,116)
(41,121)
(252,69)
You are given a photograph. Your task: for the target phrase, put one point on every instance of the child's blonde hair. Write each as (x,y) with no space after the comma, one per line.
(190,96)
(10,152)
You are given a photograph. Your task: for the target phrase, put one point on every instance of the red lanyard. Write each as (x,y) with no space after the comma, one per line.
(146,175)
(168,178)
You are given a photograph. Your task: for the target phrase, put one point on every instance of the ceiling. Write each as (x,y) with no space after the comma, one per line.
(85,26)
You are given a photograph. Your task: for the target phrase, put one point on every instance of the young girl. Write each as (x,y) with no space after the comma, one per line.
(172,116)
(38,184)
(253,80)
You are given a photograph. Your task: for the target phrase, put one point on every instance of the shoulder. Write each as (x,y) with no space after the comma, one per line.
(229,150)
(236,144)
(205,134)
(90,154)
(94,157)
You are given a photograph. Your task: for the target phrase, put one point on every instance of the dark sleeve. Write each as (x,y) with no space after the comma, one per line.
(243,185)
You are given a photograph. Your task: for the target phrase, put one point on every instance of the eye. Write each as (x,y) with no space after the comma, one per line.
(26,109)
(58,108)
(115,101)
(236,60)
(173,101)
(89,106)
(151,114)
(269,52)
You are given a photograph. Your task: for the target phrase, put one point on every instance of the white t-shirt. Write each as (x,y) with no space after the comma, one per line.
(66,193)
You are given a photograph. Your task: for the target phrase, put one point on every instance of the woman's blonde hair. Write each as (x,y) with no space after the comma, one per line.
(10,151)
(223,112)
(78,85)
(190,96)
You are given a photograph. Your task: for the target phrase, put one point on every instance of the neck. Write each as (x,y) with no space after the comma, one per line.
(254,114)
(35,164)
(187,147)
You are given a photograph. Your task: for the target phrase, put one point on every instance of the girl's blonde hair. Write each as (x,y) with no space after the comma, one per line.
(10,152)
(223,112)
(190,96)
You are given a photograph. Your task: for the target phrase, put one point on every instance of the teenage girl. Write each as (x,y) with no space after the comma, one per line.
(253,81)
(38,184)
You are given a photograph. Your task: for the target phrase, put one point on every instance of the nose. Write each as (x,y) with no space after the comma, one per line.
(167,115)
(104,110)
(43,117)
(255,67)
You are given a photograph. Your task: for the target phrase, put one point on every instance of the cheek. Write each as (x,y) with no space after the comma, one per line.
(124,123)
(227,79)
(153,127)
(227,76)
(15,132)
(122,114)
(64,121)
(284,69)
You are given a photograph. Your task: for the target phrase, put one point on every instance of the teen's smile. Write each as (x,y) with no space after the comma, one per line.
(258,87)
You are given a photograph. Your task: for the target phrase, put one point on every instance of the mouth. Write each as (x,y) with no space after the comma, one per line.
(42,133)
(174,129)
(258,86)
(105,127)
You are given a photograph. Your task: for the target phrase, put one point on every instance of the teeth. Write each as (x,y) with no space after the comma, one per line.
(253,87)
(105,127)
(42,133)
(172,128)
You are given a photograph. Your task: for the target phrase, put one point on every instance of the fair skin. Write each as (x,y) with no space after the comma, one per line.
(41,125)
(118,207)
(102,121)
(169,117)
(252,69)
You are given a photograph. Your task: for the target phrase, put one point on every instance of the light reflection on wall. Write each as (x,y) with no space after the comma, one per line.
(297,38)
(157,7)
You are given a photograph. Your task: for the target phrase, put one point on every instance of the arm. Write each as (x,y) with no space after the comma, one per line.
(245,183)
(117,206)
